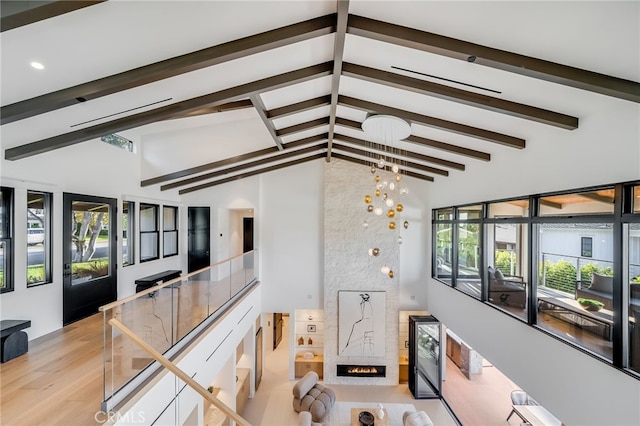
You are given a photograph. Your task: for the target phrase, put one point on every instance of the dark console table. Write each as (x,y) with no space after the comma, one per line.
(151,280)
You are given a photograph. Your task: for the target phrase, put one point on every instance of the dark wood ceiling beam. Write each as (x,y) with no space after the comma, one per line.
(287,154)
(495,58)
(454,149)
(262,112)
(228,161)
(593,196)
(550,204)
(464,97)
(338,54)
(40,13)
(252,173)
(169,111)
(299,107)
(438,123)
(319,122)
(402,160)
(411,154)
(366,163)
(229,106)
(170,68)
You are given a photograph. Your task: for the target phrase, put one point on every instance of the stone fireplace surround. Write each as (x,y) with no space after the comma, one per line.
(349,267)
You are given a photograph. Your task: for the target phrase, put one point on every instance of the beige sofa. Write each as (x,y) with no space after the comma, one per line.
(311,396)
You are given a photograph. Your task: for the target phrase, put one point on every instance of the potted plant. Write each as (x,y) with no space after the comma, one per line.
(590,304)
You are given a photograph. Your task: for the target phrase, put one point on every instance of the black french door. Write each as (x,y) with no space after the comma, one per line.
(89,255)
(199,238)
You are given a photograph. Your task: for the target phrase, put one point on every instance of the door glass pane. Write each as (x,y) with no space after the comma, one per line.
(90,241)
(2,264)
(427,360)
(634,296)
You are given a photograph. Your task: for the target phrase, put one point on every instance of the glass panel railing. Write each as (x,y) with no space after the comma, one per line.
(220,408)
(163,315)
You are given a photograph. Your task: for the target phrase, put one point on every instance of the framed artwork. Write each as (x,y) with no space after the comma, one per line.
(311,328)
(361,323)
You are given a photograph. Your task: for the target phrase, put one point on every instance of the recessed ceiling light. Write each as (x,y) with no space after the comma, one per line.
(37,65)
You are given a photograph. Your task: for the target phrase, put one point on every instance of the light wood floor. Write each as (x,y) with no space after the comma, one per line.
(59,382)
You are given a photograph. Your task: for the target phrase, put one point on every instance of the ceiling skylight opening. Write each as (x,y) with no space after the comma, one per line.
(37,65)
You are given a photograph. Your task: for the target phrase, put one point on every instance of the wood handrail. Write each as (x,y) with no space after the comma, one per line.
(165,284)
(179,373)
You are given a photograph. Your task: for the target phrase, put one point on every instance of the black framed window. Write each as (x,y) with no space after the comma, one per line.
(38,233)
(443,252)
(586,246)
(149,232)
(169,231)
(631,274)
(128,233)
(6,239)
(566,263)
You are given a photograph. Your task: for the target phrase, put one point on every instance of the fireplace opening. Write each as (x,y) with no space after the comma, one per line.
(348,370)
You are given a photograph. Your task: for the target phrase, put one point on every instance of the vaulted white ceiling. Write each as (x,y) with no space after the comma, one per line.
(300,90)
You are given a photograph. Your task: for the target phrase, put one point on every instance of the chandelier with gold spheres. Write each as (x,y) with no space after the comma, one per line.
(385,200)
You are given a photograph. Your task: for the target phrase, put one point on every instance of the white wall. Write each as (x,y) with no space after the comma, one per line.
(291,238)
(92,168)
(575,387)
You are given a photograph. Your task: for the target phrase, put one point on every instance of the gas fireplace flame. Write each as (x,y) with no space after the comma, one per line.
(362,370)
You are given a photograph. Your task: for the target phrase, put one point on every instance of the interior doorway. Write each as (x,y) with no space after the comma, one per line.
(247,234)
(199,238)
(278,323)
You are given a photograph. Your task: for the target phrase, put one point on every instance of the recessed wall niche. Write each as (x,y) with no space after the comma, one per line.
(309,342)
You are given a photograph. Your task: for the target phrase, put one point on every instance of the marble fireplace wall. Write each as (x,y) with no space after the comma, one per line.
(349,267)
